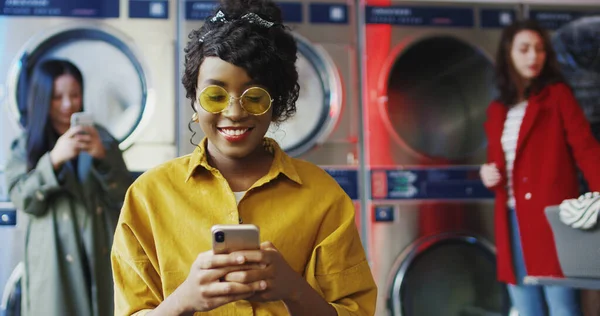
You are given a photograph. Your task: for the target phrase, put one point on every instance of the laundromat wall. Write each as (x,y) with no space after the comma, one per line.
(393,97)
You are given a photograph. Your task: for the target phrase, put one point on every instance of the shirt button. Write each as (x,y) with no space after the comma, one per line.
(65,217)
(99,210)
(69,258)
(528,196)
(525,179)
(39,195)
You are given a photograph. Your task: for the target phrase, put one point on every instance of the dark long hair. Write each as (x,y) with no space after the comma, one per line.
(505,72)
(41,136)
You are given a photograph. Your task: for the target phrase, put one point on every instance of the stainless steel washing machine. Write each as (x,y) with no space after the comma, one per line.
(324,129)
(429,70)
(126,52)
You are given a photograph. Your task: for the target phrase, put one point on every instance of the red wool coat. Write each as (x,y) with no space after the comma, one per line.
(554,137)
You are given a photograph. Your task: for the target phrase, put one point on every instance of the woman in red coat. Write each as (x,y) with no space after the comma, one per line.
(537,137)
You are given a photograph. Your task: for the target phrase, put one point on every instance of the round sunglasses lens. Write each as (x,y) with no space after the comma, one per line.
(214,99)
(256,100)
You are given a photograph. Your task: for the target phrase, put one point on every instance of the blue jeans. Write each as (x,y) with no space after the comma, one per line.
(533,300)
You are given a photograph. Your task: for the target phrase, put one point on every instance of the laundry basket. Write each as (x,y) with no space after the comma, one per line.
(578,250)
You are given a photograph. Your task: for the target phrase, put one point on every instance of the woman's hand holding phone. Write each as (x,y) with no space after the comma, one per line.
(66,148)
(206,286)
(204,289)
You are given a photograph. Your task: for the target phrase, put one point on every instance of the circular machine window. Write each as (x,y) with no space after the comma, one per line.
(116,98)
(464,284)
(577,46)
(438,92)
(318,105)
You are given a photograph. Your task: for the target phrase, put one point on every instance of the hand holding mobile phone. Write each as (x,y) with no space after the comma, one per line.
(230,238)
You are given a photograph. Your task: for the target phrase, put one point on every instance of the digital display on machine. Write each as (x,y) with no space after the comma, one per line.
(63,8)
(328,13)
(144,9)
(420,16)
(552,20)
(347,179)
(292,12)
(496,18)
(440,183)
(200,10)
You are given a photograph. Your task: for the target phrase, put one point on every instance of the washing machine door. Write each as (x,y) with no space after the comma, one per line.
(464,284)
(115,83)
(438,90)
(319,104)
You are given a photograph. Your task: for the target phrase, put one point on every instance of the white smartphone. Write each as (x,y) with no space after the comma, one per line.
(81,119)
(230,238)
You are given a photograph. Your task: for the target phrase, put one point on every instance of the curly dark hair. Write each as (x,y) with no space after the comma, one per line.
(505,72)
(267,54)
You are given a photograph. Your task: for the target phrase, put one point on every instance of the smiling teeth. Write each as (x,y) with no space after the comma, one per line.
(234,132)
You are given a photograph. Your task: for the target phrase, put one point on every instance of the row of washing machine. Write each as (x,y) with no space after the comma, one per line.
(392,104)
(428,79)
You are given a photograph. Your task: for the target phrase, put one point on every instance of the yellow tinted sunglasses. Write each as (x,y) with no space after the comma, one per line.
(215,99)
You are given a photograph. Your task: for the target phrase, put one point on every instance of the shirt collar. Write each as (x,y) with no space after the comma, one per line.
(282,163)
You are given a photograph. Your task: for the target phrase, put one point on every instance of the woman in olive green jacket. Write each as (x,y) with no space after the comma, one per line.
(70,181)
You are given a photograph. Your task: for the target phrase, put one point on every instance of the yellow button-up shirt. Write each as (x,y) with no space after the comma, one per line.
(169,211)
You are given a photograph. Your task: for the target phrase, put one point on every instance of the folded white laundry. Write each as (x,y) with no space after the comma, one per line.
(581,213)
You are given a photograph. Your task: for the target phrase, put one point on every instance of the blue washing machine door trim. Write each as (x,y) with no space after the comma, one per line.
(28,61)
(320,66)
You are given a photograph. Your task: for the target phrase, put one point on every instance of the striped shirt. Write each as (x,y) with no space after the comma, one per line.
(510,135)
